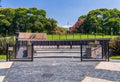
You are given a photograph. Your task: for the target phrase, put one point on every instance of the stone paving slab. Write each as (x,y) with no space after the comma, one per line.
(59,70)
(4,65)
(105,74)
(113,66)
(3,72)
(50,70)
(2,78)
(91,79)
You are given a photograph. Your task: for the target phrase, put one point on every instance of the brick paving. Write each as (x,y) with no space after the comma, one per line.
(60,70)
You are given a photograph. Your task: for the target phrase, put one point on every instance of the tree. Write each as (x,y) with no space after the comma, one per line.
(37,27)
(6,18)
(60,30)
(102,20)
(77,27)
(113,25)
(4,25)
(25,20)
(51,25)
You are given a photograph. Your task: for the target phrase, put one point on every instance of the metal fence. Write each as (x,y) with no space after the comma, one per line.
(16,52)
(86,45)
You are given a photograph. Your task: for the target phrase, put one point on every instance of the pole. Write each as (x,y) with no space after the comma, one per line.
(102,50)
(32,52)
(80,36)
(81,51)
(59,36)
(108,51)
(52,36)
(7,52)
(66,36)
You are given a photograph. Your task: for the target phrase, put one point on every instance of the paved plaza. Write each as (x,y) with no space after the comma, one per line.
(60,70)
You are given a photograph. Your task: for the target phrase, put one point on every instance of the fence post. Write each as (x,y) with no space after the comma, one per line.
(57,45)
(87,35)
(108,51)
(70,45)
(73,36)
(7,52)
(52,36)
(80,36)
(102,50)
(15,50)
(66,36)
(59,36)
(95,35)
(32,52)
(81,52)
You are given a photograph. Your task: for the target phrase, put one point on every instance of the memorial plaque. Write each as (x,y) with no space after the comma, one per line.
(32,36)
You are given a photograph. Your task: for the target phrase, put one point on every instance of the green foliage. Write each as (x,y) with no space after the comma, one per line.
(26,20)
(114,26)
(50,25)
(82,17)
(102,20)
(115,46)
(4,41)
(60,30)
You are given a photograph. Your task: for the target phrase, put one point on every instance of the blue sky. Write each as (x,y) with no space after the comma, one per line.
(63,11)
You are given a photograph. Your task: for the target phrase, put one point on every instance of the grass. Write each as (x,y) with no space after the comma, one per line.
(2,57)
(71,36)
(115,57)
(76,36)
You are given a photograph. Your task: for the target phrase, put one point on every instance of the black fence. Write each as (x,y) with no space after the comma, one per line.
(62,42)
(16,52)
(88,45)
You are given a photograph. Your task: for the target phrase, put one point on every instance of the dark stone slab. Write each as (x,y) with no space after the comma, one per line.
(57,70)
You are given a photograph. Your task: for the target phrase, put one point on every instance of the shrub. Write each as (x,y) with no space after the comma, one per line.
(4,41)
(60,30)
(115,46)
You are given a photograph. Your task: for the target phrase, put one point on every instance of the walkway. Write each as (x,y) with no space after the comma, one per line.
(62,70)
(4,68)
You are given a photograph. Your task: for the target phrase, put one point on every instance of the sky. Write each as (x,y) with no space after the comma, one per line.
(66,12)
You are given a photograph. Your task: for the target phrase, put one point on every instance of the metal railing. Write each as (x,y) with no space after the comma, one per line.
(103,42)
(12,52)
